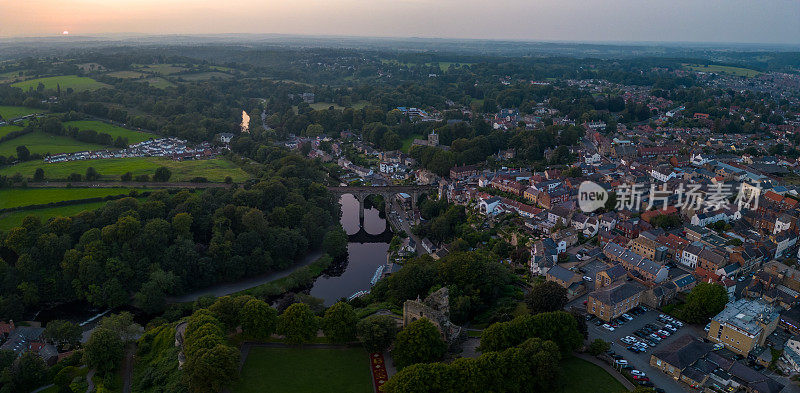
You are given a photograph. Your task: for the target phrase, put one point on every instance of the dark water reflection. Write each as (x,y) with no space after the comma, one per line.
(363,259)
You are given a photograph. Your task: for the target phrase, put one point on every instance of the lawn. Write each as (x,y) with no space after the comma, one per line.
(15,197)
(719,69)
(126,74)
(77,83)
(5,130)
(114,131)
(13,112)
(14,219)
(578,376)
(308,370)
(408,141)
(215,170)
(41,143)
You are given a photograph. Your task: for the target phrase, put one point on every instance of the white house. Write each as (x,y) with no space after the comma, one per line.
(690,255)
(489,206)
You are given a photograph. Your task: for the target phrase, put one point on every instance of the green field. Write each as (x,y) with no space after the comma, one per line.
(39,142)
(126,74)
(13,112)
(203,76)
(14,219)
(408,141)
(215,170)
(16,197)
(443,65)
(325,105)
(159,83)
(5,130)
(161,69)
(719,69)
(305,370)
(77,83)
(114,131)
(579,376)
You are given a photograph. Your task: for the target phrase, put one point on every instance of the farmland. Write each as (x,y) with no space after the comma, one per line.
(114,131)
(158,83)
(38,196)
(126,74)
(74,82)
(161,69)
(215,170)
(720,69)
(13,112)
(39,142)
(13,219)
(5,130)
(202,76)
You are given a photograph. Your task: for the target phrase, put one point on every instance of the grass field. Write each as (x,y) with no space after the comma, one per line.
(408,141)
(126,74)
(161,69)
(5,130)
(215,170)
(719,69)
(13,112)
(16,197)
(14,219)
(203,76)
(325,105)
(77,83)
(592,378)
(114,131)
(159,83)
(39,142)
(305,370)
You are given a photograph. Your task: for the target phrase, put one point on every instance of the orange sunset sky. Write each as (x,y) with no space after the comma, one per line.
(770,21)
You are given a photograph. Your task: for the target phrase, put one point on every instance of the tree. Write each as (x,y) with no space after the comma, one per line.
(377,332)
(297,323)
(546,296)
(335,242)
(127,176)
(38,175)
(559,327)
(339,323)
(23,154)
(162,174)
(122,324)
(258,319)
(103,352)
(212,369)
(704,301)
(599,346)
(27,373)
(63,332)
(92,174)
(419,342)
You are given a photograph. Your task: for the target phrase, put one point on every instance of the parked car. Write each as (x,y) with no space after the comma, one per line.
(637,372)
(608,327)
(587,278)
(641,378)
(620,361)
(628,317)
(598,322)
(645,383)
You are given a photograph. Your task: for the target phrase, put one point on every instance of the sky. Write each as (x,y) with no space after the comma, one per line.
(741,21)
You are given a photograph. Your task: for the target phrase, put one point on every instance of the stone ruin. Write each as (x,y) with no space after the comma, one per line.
(436,308)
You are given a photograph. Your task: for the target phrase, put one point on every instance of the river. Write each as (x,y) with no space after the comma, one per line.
(362,258)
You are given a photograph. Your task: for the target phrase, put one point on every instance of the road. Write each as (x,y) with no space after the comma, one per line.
(233,287)
(400,220)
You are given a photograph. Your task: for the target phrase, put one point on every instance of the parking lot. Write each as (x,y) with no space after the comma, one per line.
(641,361)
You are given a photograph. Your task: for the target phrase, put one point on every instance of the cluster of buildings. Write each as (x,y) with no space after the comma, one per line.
(177,149)
(21,339)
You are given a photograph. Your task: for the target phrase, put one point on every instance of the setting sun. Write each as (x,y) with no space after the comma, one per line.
(65,32)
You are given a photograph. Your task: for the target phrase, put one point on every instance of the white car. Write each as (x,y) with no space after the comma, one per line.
(638,373)
(708,327)
(608,327)
(628,317)
(621,361)
(587,278)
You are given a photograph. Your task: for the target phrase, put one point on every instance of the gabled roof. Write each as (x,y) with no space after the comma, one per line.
(561,273)
(683,352)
